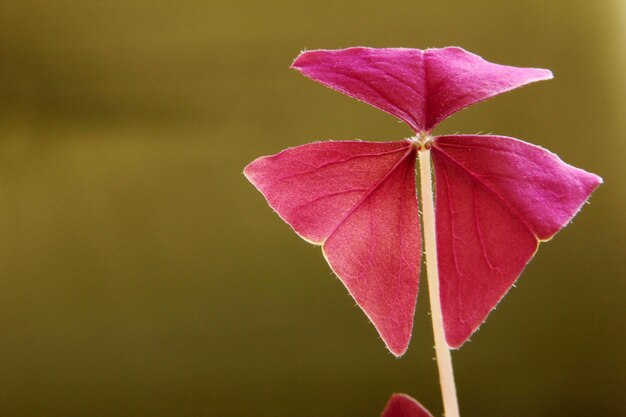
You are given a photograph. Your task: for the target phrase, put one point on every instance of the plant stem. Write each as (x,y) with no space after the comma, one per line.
(444,360)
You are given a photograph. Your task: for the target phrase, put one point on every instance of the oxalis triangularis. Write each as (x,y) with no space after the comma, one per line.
(495,198)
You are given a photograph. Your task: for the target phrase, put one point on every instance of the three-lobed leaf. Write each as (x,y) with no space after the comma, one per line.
(496,197)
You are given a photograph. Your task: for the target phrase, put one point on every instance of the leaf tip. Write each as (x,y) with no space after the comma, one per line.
(402,405)
(300,60)
(248,172)
(398,352)
(455,343)
(545,74)
(598,180)
(251,172)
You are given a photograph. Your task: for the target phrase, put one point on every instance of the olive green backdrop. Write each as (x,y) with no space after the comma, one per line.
(141,275)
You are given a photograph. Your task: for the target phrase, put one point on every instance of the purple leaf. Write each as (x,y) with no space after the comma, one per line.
(496,197)
(401,405)
(357,200)
(419,87)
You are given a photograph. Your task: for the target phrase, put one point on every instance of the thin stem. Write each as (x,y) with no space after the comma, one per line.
(444,360)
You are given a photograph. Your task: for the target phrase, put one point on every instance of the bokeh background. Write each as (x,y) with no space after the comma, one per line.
(141,275)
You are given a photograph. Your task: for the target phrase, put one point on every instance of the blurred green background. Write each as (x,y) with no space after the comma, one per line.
(141,275)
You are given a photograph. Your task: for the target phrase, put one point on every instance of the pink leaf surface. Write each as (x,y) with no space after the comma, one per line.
(358,200)
(457,79)
(496,198)
(401,405)
(419,87)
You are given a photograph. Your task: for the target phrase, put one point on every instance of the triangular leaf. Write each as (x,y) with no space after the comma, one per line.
(358,200)
(457,79)
(419,87)
(390,79)
(496,198)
